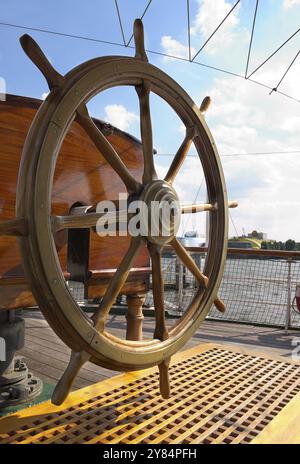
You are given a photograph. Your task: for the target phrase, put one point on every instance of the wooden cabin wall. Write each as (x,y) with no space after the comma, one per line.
(82,176)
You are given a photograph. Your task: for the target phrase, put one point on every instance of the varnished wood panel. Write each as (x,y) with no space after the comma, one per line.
(82,176)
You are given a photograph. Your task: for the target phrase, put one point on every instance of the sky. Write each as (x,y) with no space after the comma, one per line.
(243,117)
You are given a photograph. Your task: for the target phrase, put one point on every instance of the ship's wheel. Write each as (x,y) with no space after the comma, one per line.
(66,102)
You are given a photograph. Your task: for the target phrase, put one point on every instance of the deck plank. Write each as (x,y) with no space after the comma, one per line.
(47,356)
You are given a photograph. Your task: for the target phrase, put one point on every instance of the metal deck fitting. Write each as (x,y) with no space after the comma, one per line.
(219,395)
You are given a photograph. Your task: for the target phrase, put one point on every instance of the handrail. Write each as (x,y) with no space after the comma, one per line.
(246,251)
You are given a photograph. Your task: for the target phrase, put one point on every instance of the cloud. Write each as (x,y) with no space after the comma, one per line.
(174,47)
(208,17)
(45,95)
(119,116)
(291,124)
(287,4)
(242,119)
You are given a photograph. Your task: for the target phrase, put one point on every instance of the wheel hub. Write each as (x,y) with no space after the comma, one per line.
(159,212)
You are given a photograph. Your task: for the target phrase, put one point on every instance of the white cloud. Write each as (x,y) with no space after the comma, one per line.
(174,47)
(45,95)
(119,116)
(290,3)
(244,119)
(208,17)
(291,124)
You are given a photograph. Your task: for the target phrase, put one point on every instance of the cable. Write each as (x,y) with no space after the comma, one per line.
(250,43)
(190,216)
(289,67)
(198,191)
(189,27)
(241,154)
(217,28)
(145,11)
(107,42)
(232,221)
(272,54)
(120,22)
(62,34)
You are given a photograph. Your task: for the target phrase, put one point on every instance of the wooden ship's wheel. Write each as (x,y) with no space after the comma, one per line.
(37,226)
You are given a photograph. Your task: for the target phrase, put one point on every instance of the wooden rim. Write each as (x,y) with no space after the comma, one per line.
(40,258)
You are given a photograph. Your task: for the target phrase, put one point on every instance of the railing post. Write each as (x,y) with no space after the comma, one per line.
(197,259)
(179,275)
(288,303)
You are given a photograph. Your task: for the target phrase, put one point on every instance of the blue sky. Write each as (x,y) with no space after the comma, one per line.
(243,117)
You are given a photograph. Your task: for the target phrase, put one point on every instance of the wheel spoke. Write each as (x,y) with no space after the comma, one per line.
(233,204)
(164,379)
(88,220)
(106,149)
(189,262)
(187,209)
(138,32)
(205,104)
(117,283)
(17,227)
(160,331)
(180,156)
(185,146)
(63,387)
(220,305)
(37,56)
(143,92)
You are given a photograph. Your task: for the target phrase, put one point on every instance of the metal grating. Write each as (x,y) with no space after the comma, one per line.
(219,396)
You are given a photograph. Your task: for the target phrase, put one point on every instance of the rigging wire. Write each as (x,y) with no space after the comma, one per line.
(217,28)
(274,53)
(232,221)
(289,67)
(145,11)
(251,38)
(120,22)
(190,215)
(189,28)
(241,154)
(117,44)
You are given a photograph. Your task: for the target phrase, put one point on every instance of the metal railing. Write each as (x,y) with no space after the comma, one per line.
(258,286)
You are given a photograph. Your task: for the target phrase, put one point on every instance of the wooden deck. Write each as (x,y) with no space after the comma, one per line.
(47,356)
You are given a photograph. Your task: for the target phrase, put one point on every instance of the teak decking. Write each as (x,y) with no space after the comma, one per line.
(47,356)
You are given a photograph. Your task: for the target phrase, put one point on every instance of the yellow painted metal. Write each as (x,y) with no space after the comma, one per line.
(284,428)
(219,395)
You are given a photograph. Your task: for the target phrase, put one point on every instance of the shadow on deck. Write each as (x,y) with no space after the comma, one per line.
(47,356)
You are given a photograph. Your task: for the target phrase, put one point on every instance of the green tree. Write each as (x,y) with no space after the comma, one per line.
(290,245)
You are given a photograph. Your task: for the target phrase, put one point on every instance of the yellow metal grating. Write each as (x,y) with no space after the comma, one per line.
(218,396)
